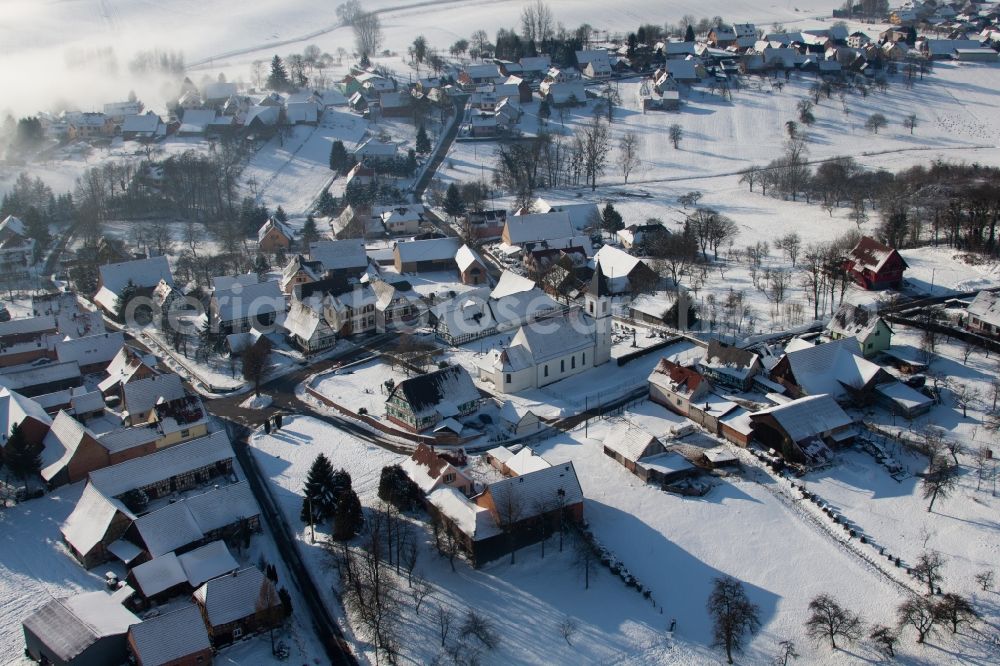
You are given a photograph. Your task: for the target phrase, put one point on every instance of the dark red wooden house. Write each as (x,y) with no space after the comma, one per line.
(874,265)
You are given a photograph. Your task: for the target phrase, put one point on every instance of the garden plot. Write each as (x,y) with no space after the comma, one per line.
(360,387)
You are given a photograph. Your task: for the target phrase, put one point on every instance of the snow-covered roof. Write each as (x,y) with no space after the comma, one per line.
(172,461)
(986,307)
(525,461)
(720,454)
(472,519)
(629,440)
(831,366)
(17,378)
(142,272)
(808,416)
(159,574)
(248,300)
(276,224)
(195,121)
(615,263)
(302,320)
(853,321)
(511,283)
(375,148)
(83,401)
(61,442)
(168,638)
(15,408)
(91,349)
(739,420)
(426,393)
(143,123)
(670,462)
(127,438)
(434,249)
(28,325)
(126,551)
(871,254)
(500,453)
(143,394)
(513,412)
(339,254)
(232,597)
(552,486)
(538,227)
(205,563)
(466,257)
(69,626)
(189,519)
(654,306)
(89,521)
(12,225)
(903,395)
(559,336)
(222,283)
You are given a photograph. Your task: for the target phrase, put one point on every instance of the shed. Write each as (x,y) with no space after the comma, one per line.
(85,630)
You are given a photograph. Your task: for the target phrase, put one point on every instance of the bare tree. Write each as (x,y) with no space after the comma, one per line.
(443,617)
(941,479)
(568,628)
(786,653)
(885,640)
(955,610)
(984,579)
(828,619)
(917,612)
(256,358)
(965,395)
(268,610)
(537,22)
(628,153)
(910,122)
(875,122)
(594,143)
(585,558)
(676,133)
(479,626)
(367,33)
(733,615)
(791,245)
(419,589)
(928,569)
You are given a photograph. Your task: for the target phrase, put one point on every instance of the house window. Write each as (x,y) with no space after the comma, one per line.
(546,369)
(508,378)
(185,433)
(591,304)
(572,362)
(237,632)
(449,478)
(583,358)
(869,345)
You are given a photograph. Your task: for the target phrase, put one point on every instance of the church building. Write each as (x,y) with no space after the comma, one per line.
(554,348)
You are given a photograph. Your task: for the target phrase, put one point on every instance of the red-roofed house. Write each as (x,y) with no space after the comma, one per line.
(874,265)
(676,387)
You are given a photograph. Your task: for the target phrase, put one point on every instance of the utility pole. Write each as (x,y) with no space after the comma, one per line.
(312,523)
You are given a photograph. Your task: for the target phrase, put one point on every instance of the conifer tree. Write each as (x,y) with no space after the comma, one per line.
(454,205)
(22,461)
(280,215)
(310,234)
(340,161)
(611,219)
(318,491)
(121,303)
(278,78)
(348,518)
(423,141)
(327,204)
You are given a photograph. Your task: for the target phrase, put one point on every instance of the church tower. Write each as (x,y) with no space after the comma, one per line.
(597,302)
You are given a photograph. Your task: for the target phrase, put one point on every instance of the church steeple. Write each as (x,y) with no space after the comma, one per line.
(599,284)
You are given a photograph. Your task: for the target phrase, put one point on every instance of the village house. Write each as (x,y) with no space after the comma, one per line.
(835,368)
(537,228)
(145,128)
(299,270)
(730,366)
(90,125)
(628,444)
(983,314)
(802,429)
(349,309)
(87,629)
(875,266)
(307,328)
(662,309)
(17,250)
(168,301)
(486,224)
(238,307)
(28,415)
(625,273)
(71,452)
(420,402)
(472,269)
(519,420)
(176,638)
(676,387)
(238,604)
(128,365)
(513,302)
(345,259)
(419,256)
(274,236)
(140,397)
(143,274)
(33,380)
(400,219)
(510,464)
(93,353)
(397,305)
(430,471)
(864,325)
(101,517)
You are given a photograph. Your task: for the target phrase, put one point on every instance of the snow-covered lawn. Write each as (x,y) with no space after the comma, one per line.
(360,386)
(526,602)
(35,566)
